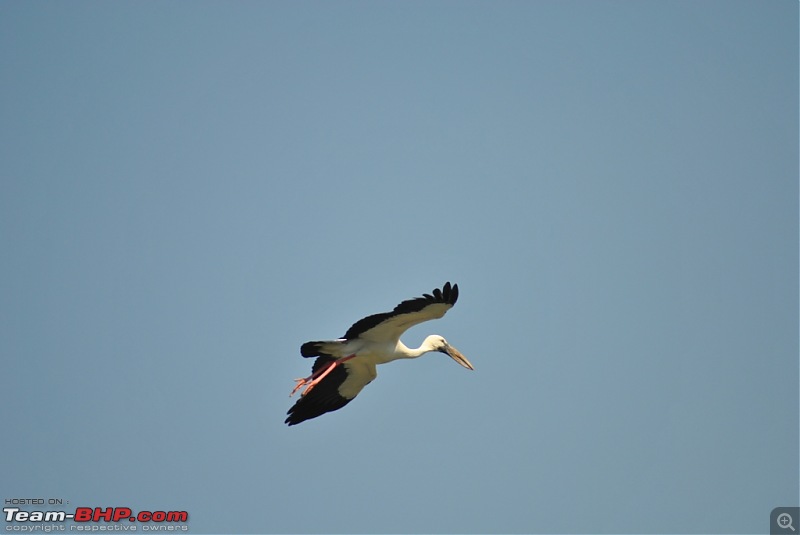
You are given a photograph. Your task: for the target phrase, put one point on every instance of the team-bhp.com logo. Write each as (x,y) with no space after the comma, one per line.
(88,519)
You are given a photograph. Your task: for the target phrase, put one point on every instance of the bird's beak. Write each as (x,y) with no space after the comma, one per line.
(456,355)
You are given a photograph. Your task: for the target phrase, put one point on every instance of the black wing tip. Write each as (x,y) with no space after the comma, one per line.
(306,409)
(447,295)
(294,419)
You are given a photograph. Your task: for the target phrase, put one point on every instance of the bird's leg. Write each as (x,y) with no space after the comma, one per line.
(320,377)
(313,379)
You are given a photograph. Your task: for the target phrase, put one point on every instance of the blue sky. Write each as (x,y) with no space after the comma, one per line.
(192,190)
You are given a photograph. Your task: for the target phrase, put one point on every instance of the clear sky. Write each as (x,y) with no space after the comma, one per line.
(191,190)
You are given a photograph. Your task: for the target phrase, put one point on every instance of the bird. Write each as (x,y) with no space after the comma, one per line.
(343,367)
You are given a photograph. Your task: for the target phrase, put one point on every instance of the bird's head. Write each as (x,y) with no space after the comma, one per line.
(438,343)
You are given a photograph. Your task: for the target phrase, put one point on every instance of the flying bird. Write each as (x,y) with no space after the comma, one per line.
(344,366)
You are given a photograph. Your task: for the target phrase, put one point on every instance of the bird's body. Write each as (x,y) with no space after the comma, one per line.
(345,366)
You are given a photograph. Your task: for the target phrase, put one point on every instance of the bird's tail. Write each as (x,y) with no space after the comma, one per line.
(324,348)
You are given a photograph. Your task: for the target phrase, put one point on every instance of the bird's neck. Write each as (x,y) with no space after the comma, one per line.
(411,353)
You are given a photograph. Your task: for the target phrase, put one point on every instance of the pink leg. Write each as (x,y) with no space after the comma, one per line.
(314,379)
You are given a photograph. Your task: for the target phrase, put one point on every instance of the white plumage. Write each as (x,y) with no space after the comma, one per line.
(345,366)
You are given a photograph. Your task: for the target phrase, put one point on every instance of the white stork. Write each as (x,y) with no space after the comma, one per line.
(345,366)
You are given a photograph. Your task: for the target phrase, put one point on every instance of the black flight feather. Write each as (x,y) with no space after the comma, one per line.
(447,295)
(324,397)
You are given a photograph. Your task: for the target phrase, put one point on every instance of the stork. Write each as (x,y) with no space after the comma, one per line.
(345,366)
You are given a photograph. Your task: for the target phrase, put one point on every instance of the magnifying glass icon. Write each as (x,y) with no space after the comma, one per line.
(784,520)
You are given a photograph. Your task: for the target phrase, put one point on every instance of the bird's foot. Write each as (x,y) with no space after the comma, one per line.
(312,380)
(300,383)
(320,375)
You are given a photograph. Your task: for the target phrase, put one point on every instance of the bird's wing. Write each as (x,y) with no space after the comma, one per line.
(334,391)
(388,326)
